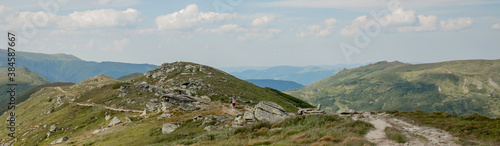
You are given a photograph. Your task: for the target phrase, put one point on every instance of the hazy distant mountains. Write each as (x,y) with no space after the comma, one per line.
(276,84)
(302,75)
(68,68)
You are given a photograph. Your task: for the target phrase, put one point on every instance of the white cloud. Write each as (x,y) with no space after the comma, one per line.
(358,23)
(400,16)
(224,29)
(77,19)
(399,20)
(425,24)
(495,26)
(120,44)
(456,24)
(101,18)
(322,30)
(263,21)
(188,17)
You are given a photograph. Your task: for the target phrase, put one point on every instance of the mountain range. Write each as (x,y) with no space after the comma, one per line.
(303,75)
(68,68)
(456,87)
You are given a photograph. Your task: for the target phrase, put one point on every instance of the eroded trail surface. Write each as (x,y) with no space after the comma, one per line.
(417,135)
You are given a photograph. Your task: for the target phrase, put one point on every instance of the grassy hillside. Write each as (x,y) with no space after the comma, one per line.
(27,94)
(78,110)
(455,87)
(129,76)
(25,80)
(68,68)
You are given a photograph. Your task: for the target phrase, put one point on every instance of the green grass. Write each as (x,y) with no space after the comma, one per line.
(395,135)
(470,128)
(118,85)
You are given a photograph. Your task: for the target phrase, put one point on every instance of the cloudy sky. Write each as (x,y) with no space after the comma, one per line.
(228,33)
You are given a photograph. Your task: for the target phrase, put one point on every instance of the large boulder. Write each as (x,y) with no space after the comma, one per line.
(114,121)
(175,99)
(60,140)
(169,127)
(269,111)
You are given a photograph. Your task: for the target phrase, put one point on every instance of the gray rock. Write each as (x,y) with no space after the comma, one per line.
(238,121)
(169,127)
(114,121)
(60,140)
(209,128)
(165,106)
(145,112)
(204,97)
(167,115)
(99,130)
(127,119)
(206,121)
(196,118)
(171,98)
(269,111)
(107,117)
(319,107)
(187,107)
(53,128)
(248,116)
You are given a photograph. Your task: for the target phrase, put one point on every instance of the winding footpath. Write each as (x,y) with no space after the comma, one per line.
(416,135)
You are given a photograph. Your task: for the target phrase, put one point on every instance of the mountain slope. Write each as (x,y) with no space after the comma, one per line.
(456,87)
(276,84)
(25,80)
(143,104)
(68,68)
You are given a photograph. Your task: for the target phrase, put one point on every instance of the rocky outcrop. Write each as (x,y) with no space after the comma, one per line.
(176,99)
(269,111)
(60,140)
(114,121)
(169,127)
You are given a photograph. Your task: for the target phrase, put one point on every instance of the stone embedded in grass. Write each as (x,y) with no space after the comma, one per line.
(169,127)
(60,140)
(114,121)
(53,128)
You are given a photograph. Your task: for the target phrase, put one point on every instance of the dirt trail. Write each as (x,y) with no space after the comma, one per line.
(414,133)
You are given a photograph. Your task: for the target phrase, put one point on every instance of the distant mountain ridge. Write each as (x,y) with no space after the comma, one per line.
(68,68)
(280,85)
(303,75)
(457,87)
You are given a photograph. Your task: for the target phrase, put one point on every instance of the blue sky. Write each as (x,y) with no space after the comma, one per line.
(228,33)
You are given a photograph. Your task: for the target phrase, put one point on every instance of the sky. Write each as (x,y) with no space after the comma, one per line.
(231,33)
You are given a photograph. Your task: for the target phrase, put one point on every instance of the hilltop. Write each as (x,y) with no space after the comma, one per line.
(455,87)
(69,68)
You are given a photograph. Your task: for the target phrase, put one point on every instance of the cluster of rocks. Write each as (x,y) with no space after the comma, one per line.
(263,111)
(311,111)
